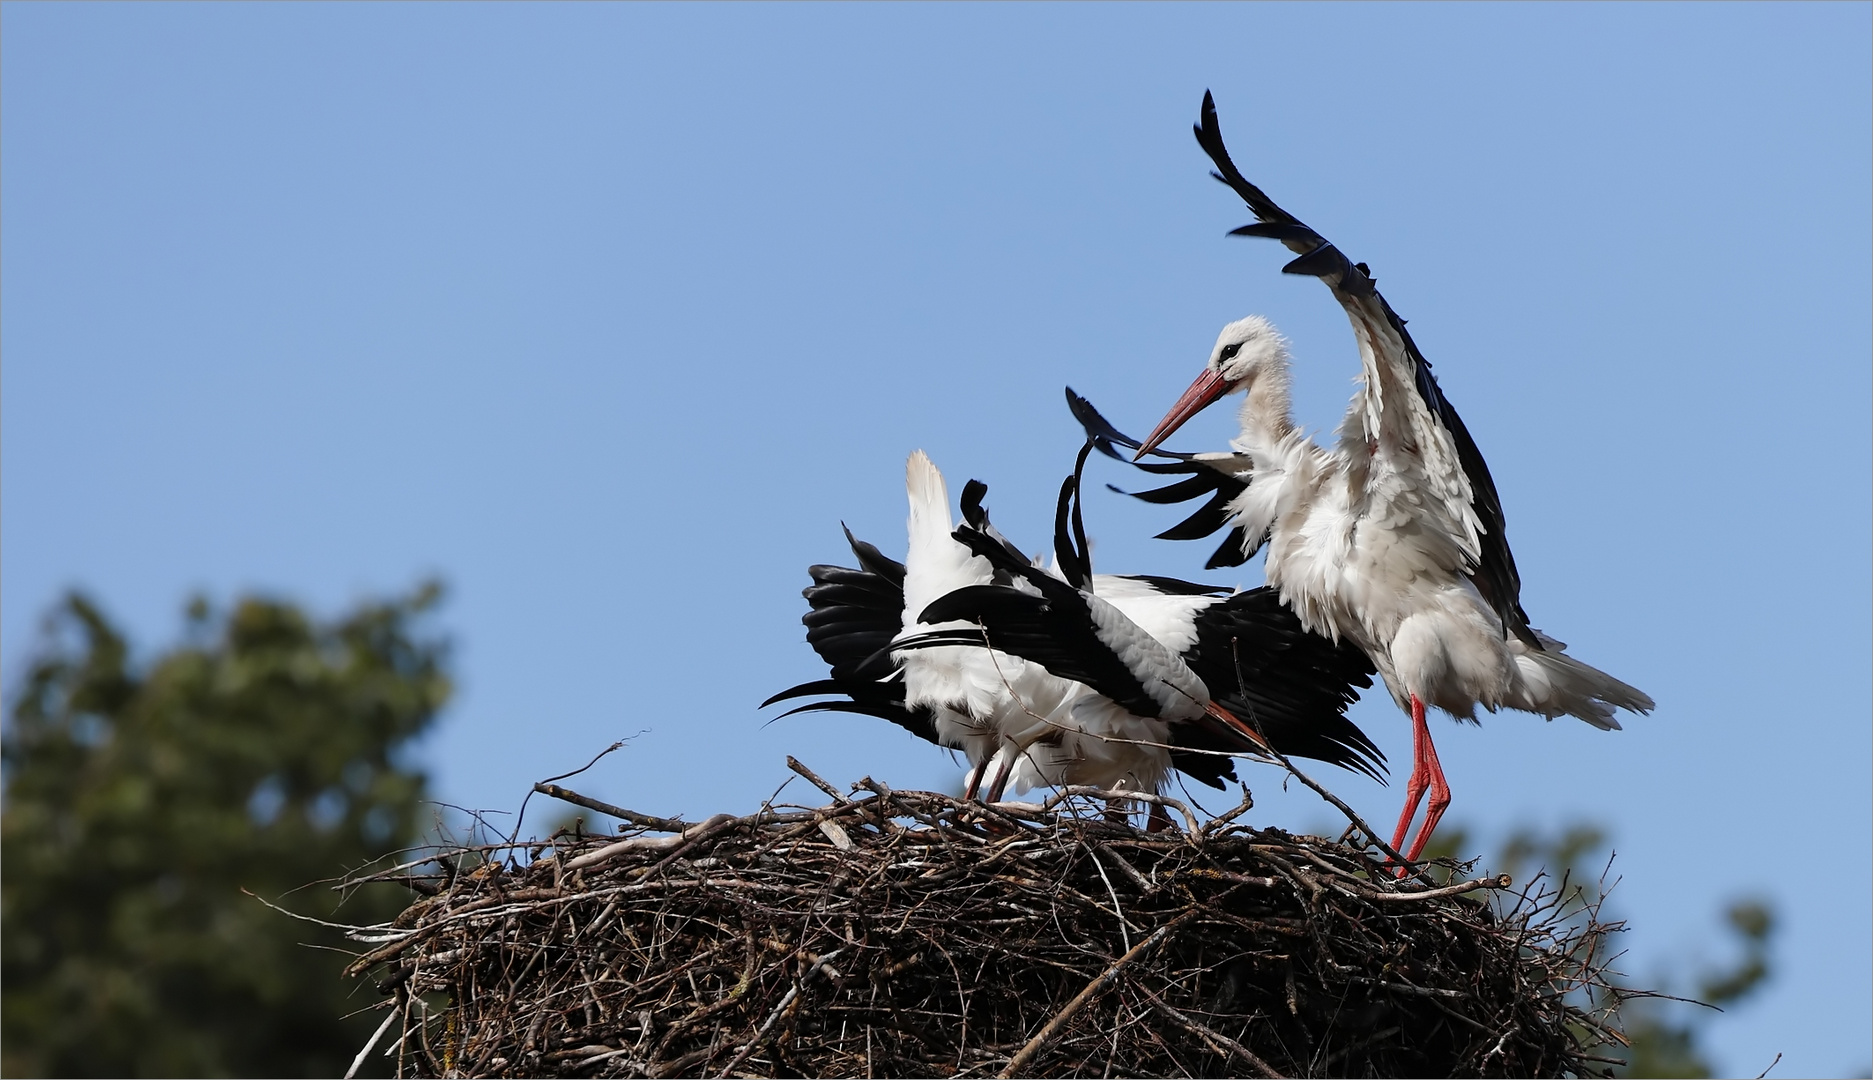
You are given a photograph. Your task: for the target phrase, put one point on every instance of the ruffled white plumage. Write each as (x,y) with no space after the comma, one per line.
(1015,722)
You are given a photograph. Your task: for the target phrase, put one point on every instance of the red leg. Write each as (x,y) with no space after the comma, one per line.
(1159,821)
(1420,773)
(973,782)
(1426,771)
(999,785)
(1440,800)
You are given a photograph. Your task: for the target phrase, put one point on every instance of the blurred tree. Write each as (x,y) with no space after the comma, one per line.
(260,753)
(1665,1034)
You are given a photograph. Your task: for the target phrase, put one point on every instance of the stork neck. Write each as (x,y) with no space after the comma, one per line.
(1267,409)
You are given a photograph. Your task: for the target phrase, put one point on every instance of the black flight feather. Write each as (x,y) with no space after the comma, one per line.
(1495,575)
(1194,487)
(1251,652)
(1292,685)
(1201,479)
(852,617)
(977,517)
(1234,550)
(1071,551)
(1209,517)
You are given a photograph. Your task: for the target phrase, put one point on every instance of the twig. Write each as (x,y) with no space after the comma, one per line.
(814,778)
(1125,932)
(1093,990)
(1501,881)
(1241,808)
(661,824)
(788,999)
(648,843)
(521,816)
(358,1062)
(1061,795)
(1262,1068)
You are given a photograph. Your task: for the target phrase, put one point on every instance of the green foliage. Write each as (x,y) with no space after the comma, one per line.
(261,753)
(1665,1034)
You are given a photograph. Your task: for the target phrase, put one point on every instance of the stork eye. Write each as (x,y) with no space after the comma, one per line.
(1230,350)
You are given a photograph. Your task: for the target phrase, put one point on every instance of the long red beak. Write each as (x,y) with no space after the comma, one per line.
(1202,394)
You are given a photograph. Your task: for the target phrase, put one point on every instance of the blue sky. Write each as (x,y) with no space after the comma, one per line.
(610,315)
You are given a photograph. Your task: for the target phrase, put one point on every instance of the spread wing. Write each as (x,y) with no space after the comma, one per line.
(852,617)
(1491,564)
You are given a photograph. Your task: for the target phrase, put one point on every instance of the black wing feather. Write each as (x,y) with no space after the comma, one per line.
(1495,575)
(1200,480)
(1234,550)
(1261,664)
(852,617)
(1054,630)
(1251,652)
(1194,487)
(1210,517)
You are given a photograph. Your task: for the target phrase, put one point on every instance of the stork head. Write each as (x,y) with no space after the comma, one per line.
(1244,351)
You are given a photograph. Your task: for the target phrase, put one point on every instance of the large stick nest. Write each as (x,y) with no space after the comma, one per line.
(912,934)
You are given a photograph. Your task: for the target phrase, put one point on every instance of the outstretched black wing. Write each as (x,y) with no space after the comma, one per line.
(1352,283)
(853,616)
(1294,686)
(1251,653)
(1201,481)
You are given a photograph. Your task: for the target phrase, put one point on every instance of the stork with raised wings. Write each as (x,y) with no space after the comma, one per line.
(1228,672)
(1013,720)
(1030,722)
(1393,539)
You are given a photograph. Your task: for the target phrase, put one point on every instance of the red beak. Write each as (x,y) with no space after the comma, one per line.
(1202,394)
(1229,720)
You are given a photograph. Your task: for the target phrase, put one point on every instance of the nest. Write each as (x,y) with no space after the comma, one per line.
(899,933)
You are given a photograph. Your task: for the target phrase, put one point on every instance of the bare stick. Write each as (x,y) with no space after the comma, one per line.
(1371,834)
(1247,804)
(1262,1068)
(522,815)
(358,1062)
(1060,795)
(1080,1000)
(661,824)
(648,843)
(792,993)
(1501,882)
(814,778)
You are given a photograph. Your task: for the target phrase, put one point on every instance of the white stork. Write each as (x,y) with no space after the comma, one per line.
(1228,672)
(1022,725)
(1394,538)
(1014,722)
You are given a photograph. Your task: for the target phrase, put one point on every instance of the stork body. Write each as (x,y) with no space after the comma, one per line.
(1018,723)
(1226,672)
(894,655)
(1394,538)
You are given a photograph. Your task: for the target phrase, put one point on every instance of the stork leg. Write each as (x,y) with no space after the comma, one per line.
(973,782)
(1159,819)
(999,785)
(1426,772)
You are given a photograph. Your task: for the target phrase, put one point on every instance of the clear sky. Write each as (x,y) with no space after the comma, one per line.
(611,315)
